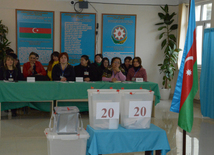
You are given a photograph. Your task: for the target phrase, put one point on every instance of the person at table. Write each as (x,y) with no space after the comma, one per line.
(104,64)
(85,69)
(103,67)
(9,71)
(126,65)
(16,61)
(54,60)
(10,51)
(137,71)
(34,68)
(97,60)
(115,72)
(63,71)
(97,63)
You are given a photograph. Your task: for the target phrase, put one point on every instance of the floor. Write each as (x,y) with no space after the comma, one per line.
(24,134)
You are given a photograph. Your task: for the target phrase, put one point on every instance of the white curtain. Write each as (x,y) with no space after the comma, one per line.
(182,28)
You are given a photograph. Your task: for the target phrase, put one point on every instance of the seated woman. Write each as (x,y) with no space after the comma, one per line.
(126,65)
(16,61)
(34,68)
(104,64)
(97,60)
(9,71)
(103,67)
(115,72)
(63,71)
(97,63)
(137,71)
(54,60)
(85,69)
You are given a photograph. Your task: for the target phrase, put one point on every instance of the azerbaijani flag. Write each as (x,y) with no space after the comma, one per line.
(187,82)
(35,30)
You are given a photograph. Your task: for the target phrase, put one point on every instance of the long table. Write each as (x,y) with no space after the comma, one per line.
(23,92)
(123,140)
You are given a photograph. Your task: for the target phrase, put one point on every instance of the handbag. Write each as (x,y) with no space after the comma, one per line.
(66,120)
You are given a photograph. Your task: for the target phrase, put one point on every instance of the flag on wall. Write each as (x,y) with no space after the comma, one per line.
(35,30)
(187,82)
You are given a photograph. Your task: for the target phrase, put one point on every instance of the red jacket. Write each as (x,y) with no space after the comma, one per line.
(140,74)
(39,69)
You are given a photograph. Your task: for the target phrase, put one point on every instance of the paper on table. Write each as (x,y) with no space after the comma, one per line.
(9,81)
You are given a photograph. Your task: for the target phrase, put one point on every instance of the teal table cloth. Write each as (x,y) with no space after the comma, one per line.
(20,93)
(123,140)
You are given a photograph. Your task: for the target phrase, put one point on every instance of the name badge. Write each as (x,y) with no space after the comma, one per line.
(86,73)
(10,79)
(133,79)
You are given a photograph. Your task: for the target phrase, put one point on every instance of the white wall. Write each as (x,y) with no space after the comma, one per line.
(212,16)
(147,43)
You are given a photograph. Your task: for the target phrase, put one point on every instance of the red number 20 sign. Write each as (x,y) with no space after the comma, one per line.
(140,109)
(107,110)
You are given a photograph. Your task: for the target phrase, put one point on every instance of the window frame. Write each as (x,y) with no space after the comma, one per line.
(202,22)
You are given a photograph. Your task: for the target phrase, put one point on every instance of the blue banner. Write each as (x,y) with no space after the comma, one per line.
(118,36)
(35,34)
(78,36)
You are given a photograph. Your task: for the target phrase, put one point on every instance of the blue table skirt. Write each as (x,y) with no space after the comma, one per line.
(124,140)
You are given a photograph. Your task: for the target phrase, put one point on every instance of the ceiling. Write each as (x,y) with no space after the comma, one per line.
(145,2)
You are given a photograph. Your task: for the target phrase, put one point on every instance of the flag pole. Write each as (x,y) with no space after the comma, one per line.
(184,142)
(184,132)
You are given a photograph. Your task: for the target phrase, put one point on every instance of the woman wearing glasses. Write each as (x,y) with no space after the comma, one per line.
(115,72)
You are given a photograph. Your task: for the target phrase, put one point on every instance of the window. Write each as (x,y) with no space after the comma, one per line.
(203,13)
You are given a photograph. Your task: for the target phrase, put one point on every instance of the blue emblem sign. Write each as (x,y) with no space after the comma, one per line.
(118,36)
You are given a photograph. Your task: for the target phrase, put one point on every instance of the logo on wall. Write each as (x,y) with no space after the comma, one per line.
(119,34)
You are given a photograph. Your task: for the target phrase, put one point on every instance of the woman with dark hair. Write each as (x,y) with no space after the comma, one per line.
(137,71)
(126,65)
(9,71)
(34,68)
(97,60)
(104,64)
(16,61)
(103,67)
(63,71)
(85,69)
(115,72)
(54,60)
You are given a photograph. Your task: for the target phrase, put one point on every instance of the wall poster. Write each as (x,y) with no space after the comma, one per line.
(34,33)
(78,35)
(118,35)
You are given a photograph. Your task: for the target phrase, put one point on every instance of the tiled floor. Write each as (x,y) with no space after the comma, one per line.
(24,135)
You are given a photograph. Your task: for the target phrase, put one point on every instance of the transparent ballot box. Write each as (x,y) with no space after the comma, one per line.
(104,111)
(136,108)
(66,144)
(90,91)
(65,120)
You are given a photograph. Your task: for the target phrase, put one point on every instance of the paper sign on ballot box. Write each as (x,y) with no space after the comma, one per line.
(140,109)
(107,110)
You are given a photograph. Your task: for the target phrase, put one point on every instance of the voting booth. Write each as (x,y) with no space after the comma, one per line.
(136,108)
(104,106)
